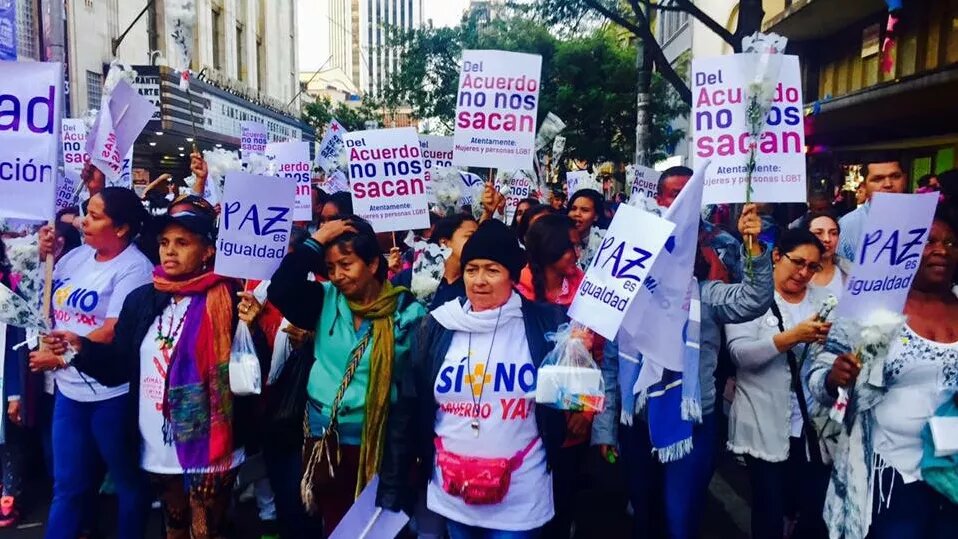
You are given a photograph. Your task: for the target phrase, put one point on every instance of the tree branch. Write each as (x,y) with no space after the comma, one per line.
(709,22)
(643,32)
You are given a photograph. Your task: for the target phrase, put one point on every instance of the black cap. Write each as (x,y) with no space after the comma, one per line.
(495,241)
(199,218)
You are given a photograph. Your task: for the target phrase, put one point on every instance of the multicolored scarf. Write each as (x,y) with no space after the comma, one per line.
(197,403)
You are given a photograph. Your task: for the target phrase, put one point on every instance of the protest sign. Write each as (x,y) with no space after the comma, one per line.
(386,179)
(328,150)
(365,520)
(292,161)
(122,117)
(30,138)
(520,186)
(68,187)
(333,182)
(577,179)
(643,184)
(620,265)
(125,178)
(253,138)
(496,109)
(256,218)
(888,253)
(73,134)
(436,154)
(720,102)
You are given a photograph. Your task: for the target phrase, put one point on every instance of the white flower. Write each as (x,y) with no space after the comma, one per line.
(117,73)
(428,270)
(260,165)
(880,326)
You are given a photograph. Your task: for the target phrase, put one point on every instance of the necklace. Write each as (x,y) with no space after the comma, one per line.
(477,402)
(166,341)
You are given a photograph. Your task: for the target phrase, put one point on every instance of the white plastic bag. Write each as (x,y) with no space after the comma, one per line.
(569,379)
(245,375)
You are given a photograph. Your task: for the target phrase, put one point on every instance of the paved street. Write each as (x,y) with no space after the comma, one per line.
(727,513)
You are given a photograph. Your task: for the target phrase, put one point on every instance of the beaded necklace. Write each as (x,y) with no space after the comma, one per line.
(166,341)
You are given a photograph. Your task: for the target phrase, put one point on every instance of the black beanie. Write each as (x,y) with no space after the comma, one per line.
(495,241)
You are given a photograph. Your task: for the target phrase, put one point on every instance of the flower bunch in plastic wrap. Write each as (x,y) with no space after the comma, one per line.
(260,165)
(569,378)
(428,268)
(448,188)
(115,74)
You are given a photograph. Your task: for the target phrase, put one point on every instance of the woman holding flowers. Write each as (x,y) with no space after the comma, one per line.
(877,488)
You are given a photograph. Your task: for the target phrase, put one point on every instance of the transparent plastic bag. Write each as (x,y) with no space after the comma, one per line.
(569,378)
(245,375)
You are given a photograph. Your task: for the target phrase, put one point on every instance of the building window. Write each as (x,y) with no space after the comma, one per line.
(673,22)
(240,53)
(27,30)
(94,89)
(260,66)
(217,39)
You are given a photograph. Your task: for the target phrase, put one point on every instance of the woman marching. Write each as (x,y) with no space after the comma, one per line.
(587,211)
(172,346)
(878,487)
(825,227)
(781,473)
(466,410)
(91,284)
(363,329)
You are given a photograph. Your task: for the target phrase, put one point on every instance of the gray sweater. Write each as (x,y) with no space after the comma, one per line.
(722,304)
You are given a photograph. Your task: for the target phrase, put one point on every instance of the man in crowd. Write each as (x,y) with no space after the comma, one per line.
(881,176)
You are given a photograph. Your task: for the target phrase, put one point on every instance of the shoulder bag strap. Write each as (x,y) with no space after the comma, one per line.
(814,450)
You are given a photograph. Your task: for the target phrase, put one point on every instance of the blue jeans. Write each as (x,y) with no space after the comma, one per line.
(913,510)
(81,431)
(461,531)
(676,491)
(781,489)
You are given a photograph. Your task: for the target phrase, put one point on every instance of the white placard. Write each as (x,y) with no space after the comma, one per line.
(256,217)
(125,178)
(253,138)
(576,179)
(292,161)
(627,252)
(29,138)
(436,154)
(68,186)
(521,186)
(329,149)
(387,180)
(496,109)
(334,182)
(719,100)
(123,115)
(643,183)
(73,134)
(888,254)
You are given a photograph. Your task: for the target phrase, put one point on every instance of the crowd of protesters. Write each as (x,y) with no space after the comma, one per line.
(363,379)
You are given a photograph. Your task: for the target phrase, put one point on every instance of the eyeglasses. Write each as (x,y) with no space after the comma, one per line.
(801,263)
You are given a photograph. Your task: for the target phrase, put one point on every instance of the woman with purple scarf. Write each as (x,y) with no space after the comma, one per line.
(172,346)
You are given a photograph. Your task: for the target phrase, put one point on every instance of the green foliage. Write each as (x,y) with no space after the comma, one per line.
(589,81)
(319,113)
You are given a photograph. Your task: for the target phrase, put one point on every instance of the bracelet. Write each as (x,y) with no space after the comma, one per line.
(68,357)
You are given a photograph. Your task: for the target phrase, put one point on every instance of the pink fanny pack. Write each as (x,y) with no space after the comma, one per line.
(478,481)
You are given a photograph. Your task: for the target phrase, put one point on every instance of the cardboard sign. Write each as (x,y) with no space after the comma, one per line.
(436,154)
(496,109)
(624,258)
(256,217)
(331,147)
(576,179)
(292,161)
(29,138)
(720,94)
(644,184)
(253,138)
(521,186)
(387,179)
(334,182)
(366,521)
(73,134)
(122,117)
(888,254)
(68,187)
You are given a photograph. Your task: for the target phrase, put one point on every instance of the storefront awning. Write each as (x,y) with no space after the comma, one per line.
(807,20)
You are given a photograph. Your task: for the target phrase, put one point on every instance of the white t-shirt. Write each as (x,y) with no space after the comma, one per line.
(507,426)
(920,375)
(85,294)
(797,312)
(158,456)
(836,286)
